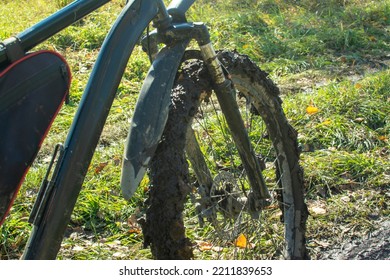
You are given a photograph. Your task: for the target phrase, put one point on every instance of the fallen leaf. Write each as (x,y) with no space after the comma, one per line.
(117,160)
(359,120)
(134,230)
(204,245)
(358,86)
(119,255)
(100,167)
(217,249)
(241,241)
(133,224)
(318,210)
(311,110)
(78,248)
(372,38)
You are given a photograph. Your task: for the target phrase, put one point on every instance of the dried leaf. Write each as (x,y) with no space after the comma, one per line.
(359,120)
(208,246)
(241,241)
(117,160)
(119,255)
(134,230)
(311,110)
(78,248)
(318,210)
(100,167)
(372,39)
(205,246)
(217,249)
(133,224)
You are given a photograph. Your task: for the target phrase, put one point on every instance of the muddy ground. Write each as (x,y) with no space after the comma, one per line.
(374,246)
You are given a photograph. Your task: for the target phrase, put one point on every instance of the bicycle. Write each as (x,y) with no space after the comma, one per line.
(161,137)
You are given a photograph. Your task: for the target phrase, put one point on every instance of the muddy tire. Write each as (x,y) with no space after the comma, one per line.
(223,195)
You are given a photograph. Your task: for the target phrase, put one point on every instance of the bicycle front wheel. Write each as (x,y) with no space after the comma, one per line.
(198,158)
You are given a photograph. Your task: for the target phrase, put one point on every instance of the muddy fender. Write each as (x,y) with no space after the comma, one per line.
(150,116)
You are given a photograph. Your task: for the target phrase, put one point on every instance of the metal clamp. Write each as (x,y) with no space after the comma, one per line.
(13,49)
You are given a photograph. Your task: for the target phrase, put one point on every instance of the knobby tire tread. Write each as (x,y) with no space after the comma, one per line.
(163,225)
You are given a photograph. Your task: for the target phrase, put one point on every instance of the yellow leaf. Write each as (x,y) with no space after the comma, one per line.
(372,38)
(240,241)
(326,122)
(358,86)
(382,138)
(311,110)
(245,46)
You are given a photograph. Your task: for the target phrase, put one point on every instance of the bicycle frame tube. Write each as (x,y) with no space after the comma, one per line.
(178,8)
(46,28)
(97,99)
(181,5)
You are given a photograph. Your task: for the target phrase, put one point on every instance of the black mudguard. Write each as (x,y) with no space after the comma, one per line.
(150,116)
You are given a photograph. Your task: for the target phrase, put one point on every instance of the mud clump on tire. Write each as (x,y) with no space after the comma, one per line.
(163,226)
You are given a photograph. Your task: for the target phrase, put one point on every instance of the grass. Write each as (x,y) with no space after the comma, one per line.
(333,57)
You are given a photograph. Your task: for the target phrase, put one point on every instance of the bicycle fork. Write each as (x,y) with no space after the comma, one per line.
(225,93)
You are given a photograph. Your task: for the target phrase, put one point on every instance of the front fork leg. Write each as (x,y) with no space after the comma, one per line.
(225,92)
